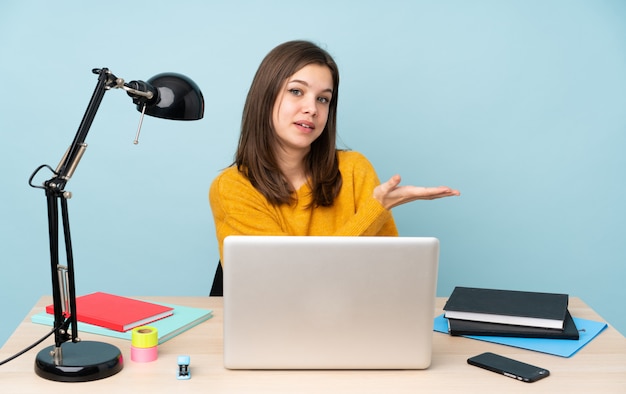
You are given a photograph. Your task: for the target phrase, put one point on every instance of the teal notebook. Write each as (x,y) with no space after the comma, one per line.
(587,329)
(183,319)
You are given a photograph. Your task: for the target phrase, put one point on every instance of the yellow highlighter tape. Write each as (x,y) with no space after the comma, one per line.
(144,337)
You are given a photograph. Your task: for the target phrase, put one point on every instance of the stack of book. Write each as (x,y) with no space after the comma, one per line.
(509,313)
(116,316)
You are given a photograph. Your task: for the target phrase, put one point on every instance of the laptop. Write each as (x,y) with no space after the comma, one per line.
(308,302)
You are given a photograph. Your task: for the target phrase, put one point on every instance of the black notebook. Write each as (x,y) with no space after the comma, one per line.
(468,327)
(523,308)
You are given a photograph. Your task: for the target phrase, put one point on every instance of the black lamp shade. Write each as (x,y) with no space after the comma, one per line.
(177,98)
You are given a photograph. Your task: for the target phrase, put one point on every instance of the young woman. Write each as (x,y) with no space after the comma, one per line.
(288,177)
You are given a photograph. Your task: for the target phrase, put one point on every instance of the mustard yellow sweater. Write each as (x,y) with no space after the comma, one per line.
(239,209)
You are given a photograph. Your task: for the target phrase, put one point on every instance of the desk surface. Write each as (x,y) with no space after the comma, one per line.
(600,366)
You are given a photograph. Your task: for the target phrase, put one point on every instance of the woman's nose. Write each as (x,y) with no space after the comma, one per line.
(310,106)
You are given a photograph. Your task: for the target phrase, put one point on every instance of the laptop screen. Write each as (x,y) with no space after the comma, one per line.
(329,302)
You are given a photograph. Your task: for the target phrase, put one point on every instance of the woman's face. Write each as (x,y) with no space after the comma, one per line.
(301,108)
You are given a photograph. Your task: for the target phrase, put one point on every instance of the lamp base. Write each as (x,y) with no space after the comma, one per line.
(82,362)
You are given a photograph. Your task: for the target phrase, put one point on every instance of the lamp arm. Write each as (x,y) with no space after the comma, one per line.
(63,284)
(70,160)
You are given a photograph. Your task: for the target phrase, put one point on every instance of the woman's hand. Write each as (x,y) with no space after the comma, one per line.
(390,194)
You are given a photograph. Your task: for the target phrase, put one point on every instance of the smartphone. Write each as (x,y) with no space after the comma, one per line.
(509,367)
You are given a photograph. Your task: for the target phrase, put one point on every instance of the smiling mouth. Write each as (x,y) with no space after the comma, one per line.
(306,126)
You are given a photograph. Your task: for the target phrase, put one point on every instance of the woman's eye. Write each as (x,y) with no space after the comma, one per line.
(295,92)
(323,100)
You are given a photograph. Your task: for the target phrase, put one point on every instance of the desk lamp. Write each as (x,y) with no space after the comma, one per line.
(168,96)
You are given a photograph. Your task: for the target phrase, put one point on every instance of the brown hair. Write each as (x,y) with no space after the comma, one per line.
(255,155)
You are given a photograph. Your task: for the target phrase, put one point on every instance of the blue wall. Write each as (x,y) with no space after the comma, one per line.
(519,104)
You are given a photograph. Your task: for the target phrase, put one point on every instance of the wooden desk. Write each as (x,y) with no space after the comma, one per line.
(598,367)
